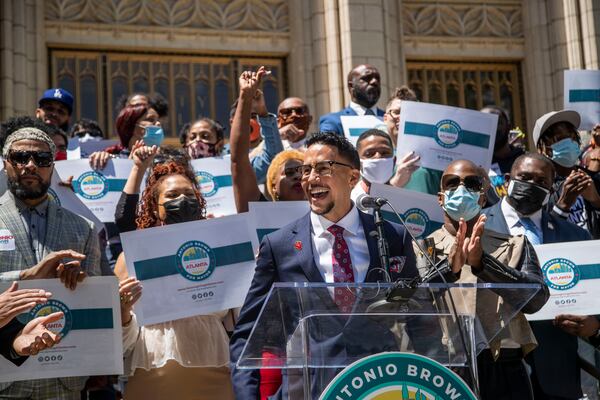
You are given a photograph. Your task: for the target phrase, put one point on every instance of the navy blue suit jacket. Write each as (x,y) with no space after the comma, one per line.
(554,362)
(279,261)
(332,123)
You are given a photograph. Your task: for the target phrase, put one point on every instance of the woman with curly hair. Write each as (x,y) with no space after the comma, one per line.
(188,357)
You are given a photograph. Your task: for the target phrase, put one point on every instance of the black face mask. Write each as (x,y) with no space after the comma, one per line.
(182,209)
(526,197)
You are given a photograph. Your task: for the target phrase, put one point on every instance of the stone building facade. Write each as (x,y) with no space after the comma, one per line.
(460,52)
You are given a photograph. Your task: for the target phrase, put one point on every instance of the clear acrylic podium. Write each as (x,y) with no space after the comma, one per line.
(301,331)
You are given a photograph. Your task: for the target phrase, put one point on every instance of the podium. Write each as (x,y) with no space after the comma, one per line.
(304,333)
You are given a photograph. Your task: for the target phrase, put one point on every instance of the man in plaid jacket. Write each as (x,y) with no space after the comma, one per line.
(35,234)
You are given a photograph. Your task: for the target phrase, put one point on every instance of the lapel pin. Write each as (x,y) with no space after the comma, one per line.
(298,245)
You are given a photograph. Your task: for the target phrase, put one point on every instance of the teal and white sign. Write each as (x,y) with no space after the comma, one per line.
(213,175)
(441,134)
(355,125)
(98,190)
(420,211)
(268,216)
(90,329)
(572,273)
(397,376)
(582,94)
(191,268)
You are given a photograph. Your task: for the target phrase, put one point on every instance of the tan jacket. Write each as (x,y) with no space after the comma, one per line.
(493,312)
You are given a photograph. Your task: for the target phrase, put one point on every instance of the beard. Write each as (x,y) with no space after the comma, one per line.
(22,192)
(366,98)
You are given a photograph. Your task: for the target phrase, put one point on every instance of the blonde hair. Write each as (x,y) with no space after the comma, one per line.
(275,167)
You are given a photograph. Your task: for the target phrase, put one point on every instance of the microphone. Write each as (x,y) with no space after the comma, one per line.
(364,202)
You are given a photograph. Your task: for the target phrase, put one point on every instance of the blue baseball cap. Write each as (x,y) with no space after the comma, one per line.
(60,95)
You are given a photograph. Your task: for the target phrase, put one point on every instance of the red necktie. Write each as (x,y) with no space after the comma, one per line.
(342,269)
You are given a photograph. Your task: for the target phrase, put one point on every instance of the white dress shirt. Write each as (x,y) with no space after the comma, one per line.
(360,110)
(512,219)
(354,234)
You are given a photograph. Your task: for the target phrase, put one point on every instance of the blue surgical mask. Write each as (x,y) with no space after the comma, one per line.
(461,203)
(154,136)
(565,152)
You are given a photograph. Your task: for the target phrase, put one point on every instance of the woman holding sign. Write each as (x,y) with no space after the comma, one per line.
(187,357)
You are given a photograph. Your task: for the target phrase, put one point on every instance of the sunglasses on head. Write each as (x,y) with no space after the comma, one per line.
(473,183)
(40,158)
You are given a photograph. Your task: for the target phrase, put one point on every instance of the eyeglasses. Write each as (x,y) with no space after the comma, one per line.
(322,168)
(41,159)
(291,172)
(394,112)
(286,112)
(473,183)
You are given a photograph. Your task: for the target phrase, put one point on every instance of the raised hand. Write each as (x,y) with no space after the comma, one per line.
(130,291)
(143,155)
(291,133)
(575,184)
(578,325)
(14,302)
(52,266)
(36,336)
(458,251)
(404,169)
(250,81)
(474,249)
(99,159)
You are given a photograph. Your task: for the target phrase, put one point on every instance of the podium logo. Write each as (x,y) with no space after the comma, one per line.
(195,260)
(52,196)
(561,274)
(397,376)
(416,221)
(63,325)
(447,134)
(207,183)
(92,185)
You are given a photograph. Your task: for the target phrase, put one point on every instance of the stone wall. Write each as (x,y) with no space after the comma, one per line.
(322,39)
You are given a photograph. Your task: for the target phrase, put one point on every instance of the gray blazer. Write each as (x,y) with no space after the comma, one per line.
(64,231)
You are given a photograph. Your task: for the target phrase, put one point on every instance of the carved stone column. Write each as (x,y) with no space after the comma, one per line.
(23,66)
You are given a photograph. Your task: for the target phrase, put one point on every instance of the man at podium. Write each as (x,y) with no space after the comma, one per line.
(474,254)
(331,244)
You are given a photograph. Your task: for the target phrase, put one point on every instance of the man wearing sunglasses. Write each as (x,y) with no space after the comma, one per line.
(293,120)
(471,253)
(555,369)
(58,243)
(332,244)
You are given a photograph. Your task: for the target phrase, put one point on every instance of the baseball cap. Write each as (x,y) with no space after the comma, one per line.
(60,95)
(551,118)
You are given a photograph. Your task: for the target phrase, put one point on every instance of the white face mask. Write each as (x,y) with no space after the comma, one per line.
(377,170)
(89,138)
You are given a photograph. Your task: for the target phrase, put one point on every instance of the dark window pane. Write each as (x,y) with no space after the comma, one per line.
(435,94)
(506,100)
(119,89)
(453,96)
(182,104)
(471,97)
(488,95)
(222,102)
(89,98)
(202,100)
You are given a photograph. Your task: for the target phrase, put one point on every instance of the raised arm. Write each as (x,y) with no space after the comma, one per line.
(245,186)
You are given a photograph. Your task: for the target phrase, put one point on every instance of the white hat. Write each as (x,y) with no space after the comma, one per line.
(551,118)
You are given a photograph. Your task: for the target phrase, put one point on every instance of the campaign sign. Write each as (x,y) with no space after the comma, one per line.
(191,268)
(442,134)
(213,175)
(582,94)
(572,273)
(99,190)
(90,328)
